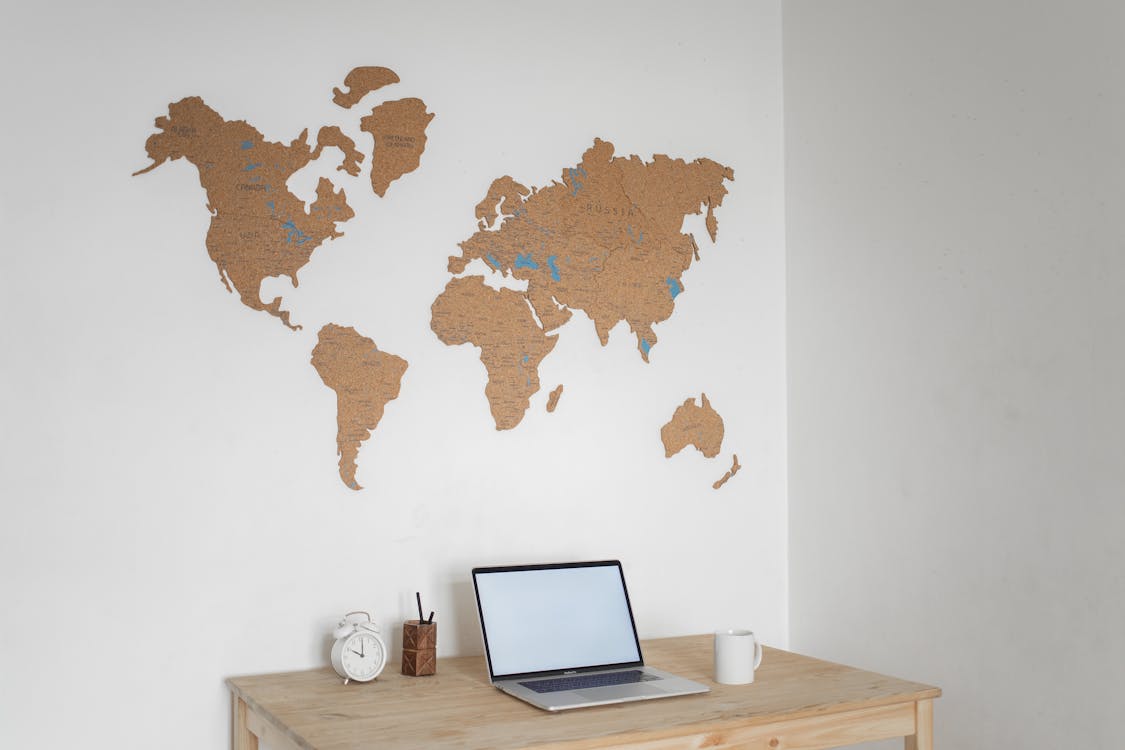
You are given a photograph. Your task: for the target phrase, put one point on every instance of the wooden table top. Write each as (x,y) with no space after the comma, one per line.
(458,708)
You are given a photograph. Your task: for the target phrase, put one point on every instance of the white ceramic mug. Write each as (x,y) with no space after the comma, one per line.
(737,655)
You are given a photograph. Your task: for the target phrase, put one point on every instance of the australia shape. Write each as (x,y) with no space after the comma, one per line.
(696,425)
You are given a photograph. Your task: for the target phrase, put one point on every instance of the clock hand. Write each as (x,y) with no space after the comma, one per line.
(356,652)
(362,650)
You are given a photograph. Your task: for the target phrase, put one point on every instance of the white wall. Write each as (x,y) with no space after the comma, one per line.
(956,360)
(171,509)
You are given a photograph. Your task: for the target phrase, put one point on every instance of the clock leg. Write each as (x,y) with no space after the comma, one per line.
(241,736)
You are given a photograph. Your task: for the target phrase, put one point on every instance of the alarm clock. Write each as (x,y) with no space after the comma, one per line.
(360,653)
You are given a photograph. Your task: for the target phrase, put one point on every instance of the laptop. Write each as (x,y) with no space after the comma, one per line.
(562,636)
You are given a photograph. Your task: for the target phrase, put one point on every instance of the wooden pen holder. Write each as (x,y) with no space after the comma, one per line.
(419,648)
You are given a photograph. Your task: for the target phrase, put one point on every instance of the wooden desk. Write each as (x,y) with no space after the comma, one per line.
(795,702)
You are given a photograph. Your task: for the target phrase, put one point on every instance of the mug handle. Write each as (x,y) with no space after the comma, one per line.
(757,653)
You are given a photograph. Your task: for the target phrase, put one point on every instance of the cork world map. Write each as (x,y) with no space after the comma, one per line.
(604,239)
(259,229)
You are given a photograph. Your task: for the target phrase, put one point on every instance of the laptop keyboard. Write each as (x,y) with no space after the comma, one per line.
(582,681)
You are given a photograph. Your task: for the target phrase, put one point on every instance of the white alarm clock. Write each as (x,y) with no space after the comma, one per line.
(359,652)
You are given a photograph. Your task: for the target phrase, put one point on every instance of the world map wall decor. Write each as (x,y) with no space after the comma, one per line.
(604,239)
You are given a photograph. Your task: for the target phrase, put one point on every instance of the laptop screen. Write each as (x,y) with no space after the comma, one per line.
(559,617)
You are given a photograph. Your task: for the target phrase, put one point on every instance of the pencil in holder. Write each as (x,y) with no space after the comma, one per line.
(419,648)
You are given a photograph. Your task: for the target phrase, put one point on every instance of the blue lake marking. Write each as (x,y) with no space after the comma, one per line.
(269,205)
(247,144)
(495,263)
(249,167)
(293,233)
(645,346)
(525,261)
(639,238)
(574,172)
(554,268)
(673,286)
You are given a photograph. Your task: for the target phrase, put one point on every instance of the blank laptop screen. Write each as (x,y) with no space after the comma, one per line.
(555,618)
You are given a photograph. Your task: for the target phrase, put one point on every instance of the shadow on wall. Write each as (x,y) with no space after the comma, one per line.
(458,627)
(458,624)
(463,628)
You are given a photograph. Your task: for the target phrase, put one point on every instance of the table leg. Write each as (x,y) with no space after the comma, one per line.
(241,736)
(923,737)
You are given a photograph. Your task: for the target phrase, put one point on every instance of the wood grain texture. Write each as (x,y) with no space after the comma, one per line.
(421,663)
(923,736)
(269,736)
(419,648)
(242,737)
(796,700)
(810,733)
(418,636)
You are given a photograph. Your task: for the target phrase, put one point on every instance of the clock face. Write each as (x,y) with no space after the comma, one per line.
(363,656)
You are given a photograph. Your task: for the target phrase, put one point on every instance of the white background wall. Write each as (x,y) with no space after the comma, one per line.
(955,174)
(172,513)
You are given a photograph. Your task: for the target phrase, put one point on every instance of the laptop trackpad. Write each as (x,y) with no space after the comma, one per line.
(610,692)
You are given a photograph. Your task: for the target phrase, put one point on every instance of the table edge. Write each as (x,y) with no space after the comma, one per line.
(923,692)
(267,716)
